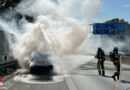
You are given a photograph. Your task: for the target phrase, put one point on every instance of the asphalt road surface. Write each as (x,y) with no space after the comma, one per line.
(84,78)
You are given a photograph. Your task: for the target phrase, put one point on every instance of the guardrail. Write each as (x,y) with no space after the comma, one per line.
(9,64)
(8,67)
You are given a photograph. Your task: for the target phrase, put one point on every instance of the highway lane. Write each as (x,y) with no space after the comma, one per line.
(90,80)
(36,84)
(84,78)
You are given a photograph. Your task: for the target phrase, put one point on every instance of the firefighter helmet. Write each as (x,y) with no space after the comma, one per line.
(115,49)
(100,49)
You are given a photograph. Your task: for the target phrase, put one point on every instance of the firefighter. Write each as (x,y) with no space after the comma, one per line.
(111,57)
(100,64)
(116,61)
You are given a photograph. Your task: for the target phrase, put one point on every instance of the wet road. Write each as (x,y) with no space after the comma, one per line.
(85,78)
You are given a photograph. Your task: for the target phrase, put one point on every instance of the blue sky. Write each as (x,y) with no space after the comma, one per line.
(112,9)
(115,9)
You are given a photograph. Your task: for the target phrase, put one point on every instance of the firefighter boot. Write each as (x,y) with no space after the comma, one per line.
(114,78)
(118,76)
(103,73)
(99,72)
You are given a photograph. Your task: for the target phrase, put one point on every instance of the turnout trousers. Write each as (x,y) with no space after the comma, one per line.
(100,67)
(117,72)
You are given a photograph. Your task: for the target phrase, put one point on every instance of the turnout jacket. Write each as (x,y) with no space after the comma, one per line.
(100,56)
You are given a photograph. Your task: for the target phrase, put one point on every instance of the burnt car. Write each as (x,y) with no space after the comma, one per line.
(40,64)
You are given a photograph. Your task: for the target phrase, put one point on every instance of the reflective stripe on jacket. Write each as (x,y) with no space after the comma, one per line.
(100,59)
(116,61)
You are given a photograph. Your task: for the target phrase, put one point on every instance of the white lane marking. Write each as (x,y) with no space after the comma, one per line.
(70,83)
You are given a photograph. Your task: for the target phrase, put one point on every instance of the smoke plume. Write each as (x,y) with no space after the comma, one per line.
(60,28)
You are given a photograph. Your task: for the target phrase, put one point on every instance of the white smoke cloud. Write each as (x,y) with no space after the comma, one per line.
(93,42)
(90,9)
(58,28)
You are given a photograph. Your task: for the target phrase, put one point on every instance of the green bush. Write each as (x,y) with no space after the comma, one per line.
(6,71)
